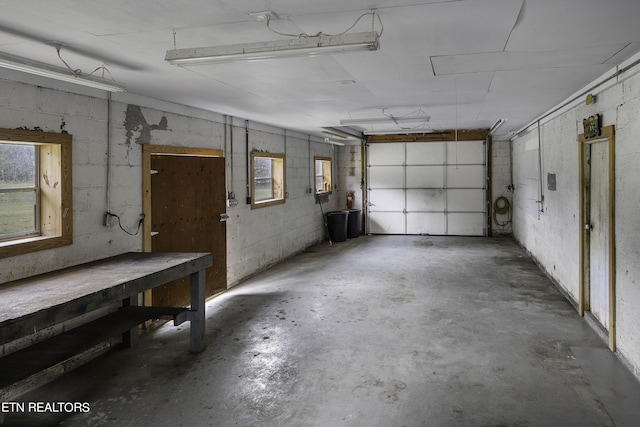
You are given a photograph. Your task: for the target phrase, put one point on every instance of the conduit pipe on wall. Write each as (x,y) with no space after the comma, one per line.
(311,163)
(284,141)
(108,184)
(541,200)
(231,155)
(615,75)
(228,142)
(226,145)
(284,138)
(248,160)
(511,187)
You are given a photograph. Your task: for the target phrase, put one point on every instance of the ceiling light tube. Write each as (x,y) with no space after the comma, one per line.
(496,125)
(399,132)
(334,134)
(387,119)
(29,66)
(345,132)
(258,51)
(333,142)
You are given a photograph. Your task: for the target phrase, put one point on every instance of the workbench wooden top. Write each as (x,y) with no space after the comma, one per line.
(87,286)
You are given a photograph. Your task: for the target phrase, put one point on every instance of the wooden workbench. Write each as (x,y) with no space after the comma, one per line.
(35,303)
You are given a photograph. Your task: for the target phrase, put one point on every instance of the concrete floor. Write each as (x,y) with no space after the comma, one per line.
(375,331)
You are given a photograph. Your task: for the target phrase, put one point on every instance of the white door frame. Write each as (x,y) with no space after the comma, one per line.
(607,135)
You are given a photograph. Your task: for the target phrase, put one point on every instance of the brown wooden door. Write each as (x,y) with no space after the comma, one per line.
(188,197)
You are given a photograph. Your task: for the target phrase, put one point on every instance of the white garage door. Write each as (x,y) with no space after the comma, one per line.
(433,188)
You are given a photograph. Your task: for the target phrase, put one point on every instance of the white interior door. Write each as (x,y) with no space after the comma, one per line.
(599,235)
(426,188)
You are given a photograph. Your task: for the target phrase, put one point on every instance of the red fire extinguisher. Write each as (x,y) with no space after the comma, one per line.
(350,197)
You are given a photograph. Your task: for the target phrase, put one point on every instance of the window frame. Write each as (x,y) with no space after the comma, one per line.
(278,176)
(55,216)
(324,160)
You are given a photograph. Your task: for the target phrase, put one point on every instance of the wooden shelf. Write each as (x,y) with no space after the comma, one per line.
(53,352)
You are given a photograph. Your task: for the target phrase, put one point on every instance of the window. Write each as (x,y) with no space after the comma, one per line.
(267,179)
(323,174)
(35,191)
(19,197)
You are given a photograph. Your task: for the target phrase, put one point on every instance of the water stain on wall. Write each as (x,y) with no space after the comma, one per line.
(138,129)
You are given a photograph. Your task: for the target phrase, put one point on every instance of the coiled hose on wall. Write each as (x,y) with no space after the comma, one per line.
(502,207)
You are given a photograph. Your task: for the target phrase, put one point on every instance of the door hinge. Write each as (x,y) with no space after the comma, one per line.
(224,217)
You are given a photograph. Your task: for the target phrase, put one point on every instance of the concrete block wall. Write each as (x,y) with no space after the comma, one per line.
(351,174)
(627,181)
(255,238)
(552,236)
(83,115)
(500,186)
(546,222)
(258,238)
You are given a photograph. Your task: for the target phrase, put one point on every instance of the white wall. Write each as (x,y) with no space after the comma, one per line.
(350,166)
(551,234)
(255,238)
(261,237)
(500,185)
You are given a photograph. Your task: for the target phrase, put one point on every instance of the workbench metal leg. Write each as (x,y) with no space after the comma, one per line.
(130,338)
(196,314)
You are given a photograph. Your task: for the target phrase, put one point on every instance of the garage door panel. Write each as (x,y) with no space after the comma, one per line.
(465,152)
(387,200)
(466,224)
(386,223)
(465,176)
(427,200)
(426,223)
(386,154)
(425,153)
(425,176)
(465,200)
(386,177)
(426,188)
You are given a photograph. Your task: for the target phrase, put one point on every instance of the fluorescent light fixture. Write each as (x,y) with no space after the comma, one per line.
(334,134)
(18,63)
(386,119)
(258,51)
(399,132)
(496,125)
(345,132)
(333,142)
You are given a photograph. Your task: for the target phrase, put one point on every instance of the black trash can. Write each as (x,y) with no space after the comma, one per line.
(353,223)
(337,225)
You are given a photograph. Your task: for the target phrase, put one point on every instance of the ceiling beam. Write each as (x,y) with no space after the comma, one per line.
(445,135)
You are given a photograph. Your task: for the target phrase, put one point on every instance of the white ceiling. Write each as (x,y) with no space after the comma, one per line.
(463,63)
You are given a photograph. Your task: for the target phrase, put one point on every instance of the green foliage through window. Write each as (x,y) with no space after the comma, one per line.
(268,179)
(18,190)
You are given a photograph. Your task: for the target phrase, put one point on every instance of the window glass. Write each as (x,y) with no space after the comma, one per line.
(263,178)
(18,190)
(268,172)
(36,211)
(323,174)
